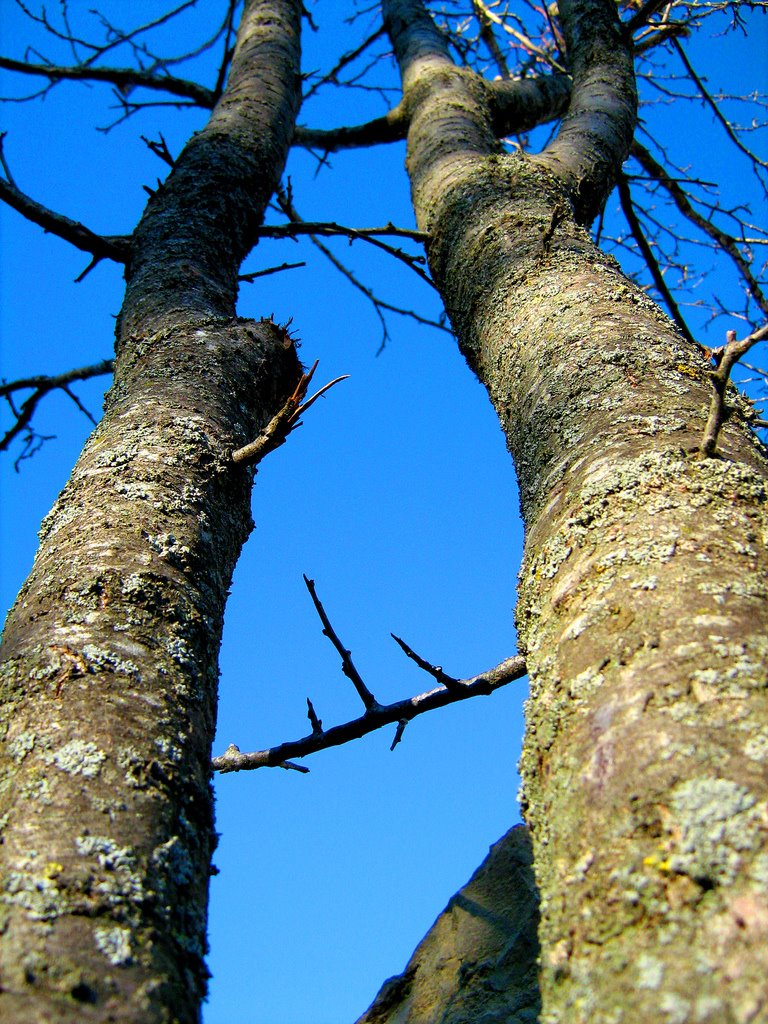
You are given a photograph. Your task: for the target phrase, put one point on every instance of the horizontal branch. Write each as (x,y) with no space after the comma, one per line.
(376,715)
(40,386)
(113,247)
(233,760)
(516,106)
(122,78)
(392,127)
(328,228)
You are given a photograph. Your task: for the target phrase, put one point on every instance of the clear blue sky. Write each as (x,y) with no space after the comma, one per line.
(397,496)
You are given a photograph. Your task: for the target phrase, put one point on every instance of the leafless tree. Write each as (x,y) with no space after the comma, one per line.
(642,612)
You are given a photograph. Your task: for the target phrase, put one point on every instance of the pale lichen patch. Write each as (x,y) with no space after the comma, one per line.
(715,821)
(78,757)
(115,944)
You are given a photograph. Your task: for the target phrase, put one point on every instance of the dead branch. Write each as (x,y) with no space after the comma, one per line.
(726,357)
(627,206)
(282,423)
(123,78)
(725,241)
(376,715)
(40,386)
(113,247)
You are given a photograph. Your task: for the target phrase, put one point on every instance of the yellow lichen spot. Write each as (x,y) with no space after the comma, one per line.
(653,860)
(53,869)
(687,370)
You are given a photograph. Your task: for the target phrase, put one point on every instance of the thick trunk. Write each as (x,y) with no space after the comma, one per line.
(642,607)
(110,653)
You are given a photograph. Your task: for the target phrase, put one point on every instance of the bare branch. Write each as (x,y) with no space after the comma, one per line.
(123,78)
(644,15)
(643,245)
(344,60)
(434,670)
(392,127)
(347,665)
(714,107)
(113,247)
(232,760)
(329,228)
(684,205)
(282,423)
(727,357)
(250,278)
(42,385)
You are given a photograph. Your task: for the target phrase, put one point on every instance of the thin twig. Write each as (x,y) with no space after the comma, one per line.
(434,670)
(343,61)
(347,665)
(250,278)
(627,206)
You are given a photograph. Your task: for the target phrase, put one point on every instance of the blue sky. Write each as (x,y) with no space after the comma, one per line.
(397,496)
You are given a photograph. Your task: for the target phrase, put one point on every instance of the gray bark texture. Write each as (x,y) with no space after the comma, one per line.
(642,607)
(109,660)
(479,960)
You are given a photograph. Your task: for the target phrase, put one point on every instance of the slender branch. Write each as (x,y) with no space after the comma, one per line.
(392,127)
(643,245)
(714,107)
(727,356)
(299,226)
(282,423)
(450,682)
(401,711)
(684,205)
(123,78)
(485,22)
(41,385)
(327,228)
(347,665)
(343,61)
(250,278)
(643,16)
(113,247)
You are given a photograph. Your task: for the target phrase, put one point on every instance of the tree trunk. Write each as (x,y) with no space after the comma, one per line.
(109,664)
(642,606)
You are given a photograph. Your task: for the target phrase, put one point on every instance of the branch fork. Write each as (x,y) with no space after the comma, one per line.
(725,358)
(376,715)
(282,423)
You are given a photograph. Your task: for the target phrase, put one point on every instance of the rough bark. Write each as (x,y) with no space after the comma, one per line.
(109,666)
(478,962)
(642,605)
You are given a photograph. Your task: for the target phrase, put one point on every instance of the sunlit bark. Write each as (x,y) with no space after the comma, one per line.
(110,653)
(642,607)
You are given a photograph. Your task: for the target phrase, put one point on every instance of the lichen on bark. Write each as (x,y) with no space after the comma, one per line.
(109,661)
